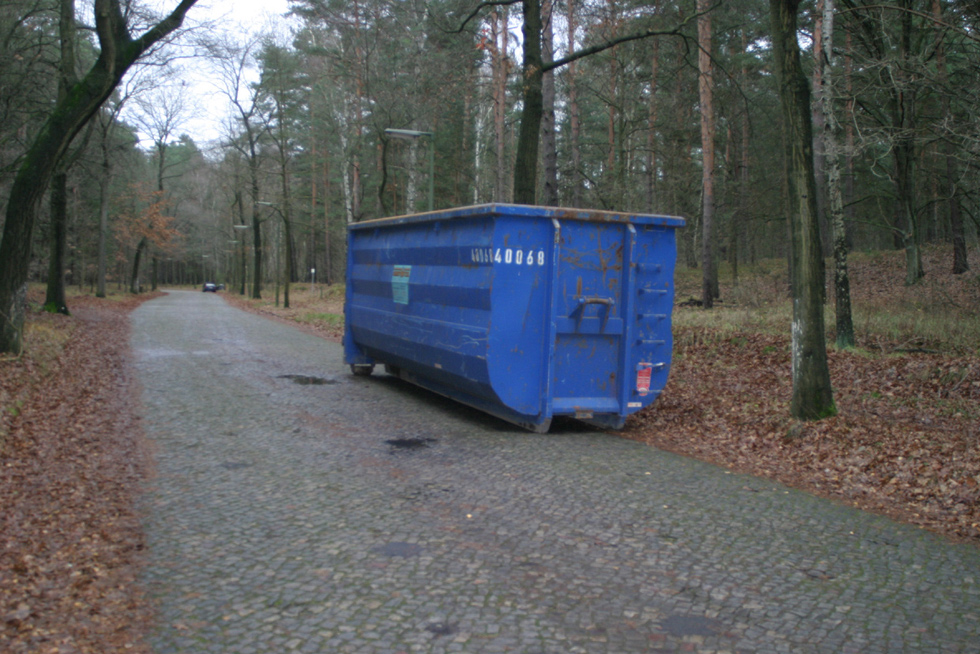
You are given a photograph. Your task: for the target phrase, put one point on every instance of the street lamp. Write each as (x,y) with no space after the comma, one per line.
(410,135)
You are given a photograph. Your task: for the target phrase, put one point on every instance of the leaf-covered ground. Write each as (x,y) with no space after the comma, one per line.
(906,441)
(71,462)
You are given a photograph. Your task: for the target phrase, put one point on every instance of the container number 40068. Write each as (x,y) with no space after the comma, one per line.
(513,256)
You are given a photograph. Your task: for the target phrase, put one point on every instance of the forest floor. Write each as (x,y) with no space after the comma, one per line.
(905,443)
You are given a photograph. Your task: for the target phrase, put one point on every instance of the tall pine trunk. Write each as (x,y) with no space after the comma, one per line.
(652,119)
(500,102)
(525,165)
(705,94)
(812,395)
(575,125)
(960,264)
(549,154)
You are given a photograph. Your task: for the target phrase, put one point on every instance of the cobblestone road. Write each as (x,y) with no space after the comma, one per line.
(297,508)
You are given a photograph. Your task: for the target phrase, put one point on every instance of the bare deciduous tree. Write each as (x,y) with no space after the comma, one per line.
(119,51)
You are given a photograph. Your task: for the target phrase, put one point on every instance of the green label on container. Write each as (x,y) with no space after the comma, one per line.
(399,284)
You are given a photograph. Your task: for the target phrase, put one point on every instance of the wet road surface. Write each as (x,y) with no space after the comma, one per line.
(298,508)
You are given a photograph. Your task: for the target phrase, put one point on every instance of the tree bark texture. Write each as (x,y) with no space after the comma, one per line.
(104,179)
(831,127)
(812,395)
(652,120)
(706,101)
(819,128)
(118,52)
(54,299)
(549,155)
(500,69)
(526,163)
(134,279)
(960,264)
(575,123)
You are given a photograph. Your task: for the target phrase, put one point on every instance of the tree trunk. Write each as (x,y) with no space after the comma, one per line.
(903,126)
(550,153)
(526,163)
(842,280)
(705,93)
(574,120)
(812,395)
(253,167)
(820,32)
(54,299)
(67,117)
(740,219)
(960,264)
(849,142)
(652,114)
(103,224)
(500,70)
(134,279)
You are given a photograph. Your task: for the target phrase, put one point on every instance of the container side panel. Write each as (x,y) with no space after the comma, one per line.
(649,366)
(420,300)
(588,317)
(522,265)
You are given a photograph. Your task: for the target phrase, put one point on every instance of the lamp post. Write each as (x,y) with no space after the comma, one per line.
(411,135)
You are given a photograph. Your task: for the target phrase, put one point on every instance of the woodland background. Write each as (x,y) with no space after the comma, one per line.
(304,149)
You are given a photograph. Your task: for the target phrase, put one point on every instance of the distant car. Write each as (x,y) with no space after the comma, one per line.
(209,288)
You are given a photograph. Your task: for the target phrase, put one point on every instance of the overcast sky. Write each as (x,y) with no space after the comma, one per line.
(236,16)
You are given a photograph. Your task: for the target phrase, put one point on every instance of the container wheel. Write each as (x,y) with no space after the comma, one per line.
(362,369)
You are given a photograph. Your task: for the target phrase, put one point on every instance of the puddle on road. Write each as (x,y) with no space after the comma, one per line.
(398,549)
(410,443)
(689,625)
(441,628)
(306,380)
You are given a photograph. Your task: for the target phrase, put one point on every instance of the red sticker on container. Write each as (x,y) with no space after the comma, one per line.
(643,375)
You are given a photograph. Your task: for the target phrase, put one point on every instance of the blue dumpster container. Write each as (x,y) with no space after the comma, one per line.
(523,312)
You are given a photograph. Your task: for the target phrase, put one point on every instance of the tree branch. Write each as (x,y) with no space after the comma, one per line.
(636,36)
(480,7)
(921,14)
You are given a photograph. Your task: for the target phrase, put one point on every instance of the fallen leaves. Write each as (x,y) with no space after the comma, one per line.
(70,467)
(906,441)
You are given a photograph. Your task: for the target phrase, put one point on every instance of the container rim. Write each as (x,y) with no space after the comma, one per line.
(498,209)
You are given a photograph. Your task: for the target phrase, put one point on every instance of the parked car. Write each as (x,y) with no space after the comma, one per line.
(209,288)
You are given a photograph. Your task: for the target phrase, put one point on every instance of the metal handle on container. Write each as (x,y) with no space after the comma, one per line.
(606,302)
